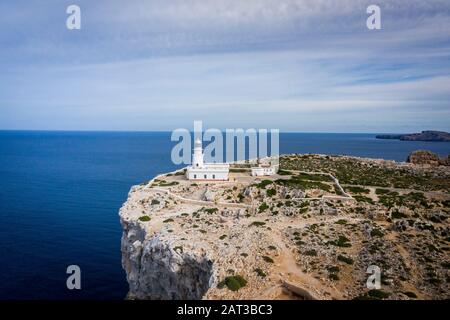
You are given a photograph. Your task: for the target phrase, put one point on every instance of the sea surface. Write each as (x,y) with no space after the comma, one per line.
(60,193)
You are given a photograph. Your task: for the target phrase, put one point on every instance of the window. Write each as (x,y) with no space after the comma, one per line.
(205,176)
(214,176)
(195,176)
(197,164)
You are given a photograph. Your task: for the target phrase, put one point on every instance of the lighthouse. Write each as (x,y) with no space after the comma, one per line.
(197,158)
(199,170)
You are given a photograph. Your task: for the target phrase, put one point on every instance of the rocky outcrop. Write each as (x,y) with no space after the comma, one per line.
(156,270)
(425,157)
(208,195)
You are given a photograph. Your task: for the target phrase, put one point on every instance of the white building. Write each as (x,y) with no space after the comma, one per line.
(206,171)
(266,169)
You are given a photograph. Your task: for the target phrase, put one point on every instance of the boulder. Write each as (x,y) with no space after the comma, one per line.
(423,157)
(208,195)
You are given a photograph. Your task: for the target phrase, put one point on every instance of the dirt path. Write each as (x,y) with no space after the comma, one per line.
(292,276)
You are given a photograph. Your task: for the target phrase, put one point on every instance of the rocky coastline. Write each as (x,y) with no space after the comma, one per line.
(309,232)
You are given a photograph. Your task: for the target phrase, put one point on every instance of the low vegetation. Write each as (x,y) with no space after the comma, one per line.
(260,273)
(144,218)
(234,283)
(267,259)
(257,224)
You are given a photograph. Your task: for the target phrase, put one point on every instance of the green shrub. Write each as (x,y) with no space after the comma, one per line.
(345,259)
(211,210)
(260,273)
(314,177)
(257,224)
(222,236)
(379,191)
(168,220)
(303,210)
(282,172)
(410,294)
(168,184)
(311,253)
(263,207)
(357,190)
(378,294)
(333,269)
(397,215)
(271,192)
(342,242)
(263,184)
(155,201)
(376,233)
(144,218)
(267,259)
(373,295)
(360,198)
(234,283)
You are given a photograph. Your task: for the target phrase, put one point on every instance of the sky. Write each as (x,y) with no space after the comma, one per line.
(293,65)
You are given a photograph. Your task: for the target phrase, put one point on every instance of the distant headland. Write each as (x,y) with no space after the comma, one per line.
(428,135)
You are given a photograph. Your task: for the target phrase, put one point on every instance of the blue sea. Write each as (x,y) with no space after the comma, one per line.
(60,193)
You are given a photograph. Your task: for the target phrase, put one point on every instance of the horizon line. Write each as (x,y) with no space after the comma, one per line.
(168,131)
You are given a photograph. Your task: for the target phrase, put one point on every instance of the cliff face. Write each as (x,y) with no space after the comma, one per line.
(156,271)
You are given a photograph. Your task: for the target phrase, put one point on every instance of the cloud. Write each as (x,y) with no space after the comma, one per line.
(161,64)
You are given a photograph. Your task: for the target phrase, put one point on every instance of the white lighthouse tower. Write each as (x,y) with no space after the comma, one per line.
(205,171)
(197,158)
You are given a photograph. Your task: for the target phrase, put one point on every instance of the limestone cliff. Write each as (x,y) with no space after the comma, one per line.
(155,270)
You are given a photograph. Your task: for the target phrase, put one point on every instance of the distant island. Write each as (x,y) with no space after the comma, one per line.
(422,136)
